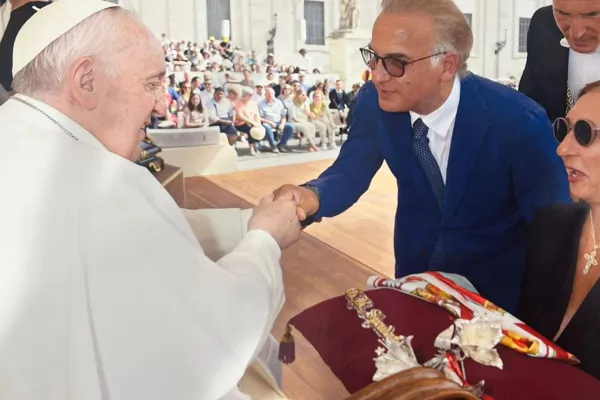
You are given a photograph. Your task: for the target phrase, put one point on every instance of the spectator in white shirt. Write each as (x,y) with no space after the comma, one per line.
(195,84)
(302,80)
(220,113)
(259,93)
(273,115)
(208,92)
(304,62)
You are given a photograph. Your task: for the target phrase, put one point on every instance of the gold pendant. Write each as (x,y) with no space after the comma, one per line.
(590,260)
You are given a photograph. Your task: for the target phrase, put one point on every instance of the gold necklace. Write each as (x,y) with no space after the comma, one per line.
(590,258)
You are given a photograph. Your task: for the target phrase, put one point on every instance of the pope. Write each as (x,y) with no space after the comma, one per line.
(106,289)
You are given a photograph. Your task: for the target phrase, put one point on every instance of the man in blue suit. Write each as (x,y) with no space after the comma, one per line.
(474,159)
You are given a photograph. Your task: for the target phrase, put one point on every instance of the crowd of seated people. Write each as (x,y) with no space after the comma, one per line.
(281,100)
(221,56)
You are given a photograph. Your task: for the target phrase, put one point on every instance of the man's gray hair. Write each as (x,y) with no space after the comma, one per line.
(97,37)
(454,35)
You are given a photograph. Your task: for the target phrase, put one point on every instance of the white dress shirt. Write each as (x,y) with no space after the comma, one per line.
(583,68)
(441,127)
(207,96)
(258,98)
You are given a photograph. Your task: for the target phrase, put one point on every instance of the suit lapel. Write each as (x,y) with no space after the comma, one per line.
(470,129)
(556,61)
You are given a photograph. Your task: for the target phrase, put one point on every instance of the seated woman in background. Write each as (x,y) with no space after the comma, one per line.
(319,115)
(247,116)
(298,113)
(185,92)
(286,96)
(194,115)
(561,296)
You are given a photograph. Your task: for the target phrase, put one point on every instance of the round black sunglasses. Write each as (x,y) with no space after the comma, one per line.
(585,131)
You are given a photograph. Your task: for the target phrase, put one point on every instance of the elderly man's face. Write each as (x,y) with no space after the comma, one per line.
(406,37)
(579,21)
(269,94)
(126,102)
(583,162)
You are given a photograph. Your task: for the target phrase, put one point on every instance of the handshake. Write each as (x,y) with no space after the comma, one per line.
(280,213)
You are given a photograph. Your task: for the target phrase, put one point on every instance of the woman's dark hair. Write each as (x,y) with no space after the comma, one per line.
(3,2)
(191,106)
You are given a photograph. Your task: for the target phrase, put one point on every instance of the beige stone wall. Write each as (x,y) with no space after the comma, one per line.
(252,19)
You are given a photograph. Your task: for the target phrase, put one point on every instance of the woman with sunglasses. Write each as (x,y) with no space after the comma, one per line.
(561,296)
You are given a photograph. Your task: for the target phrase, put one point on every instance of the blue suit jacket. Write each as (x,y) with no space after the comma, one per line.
(503,167)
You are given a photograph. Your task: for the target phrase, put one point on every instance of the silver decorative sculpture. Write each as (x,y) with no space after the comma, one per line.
(394,357)
(476,339)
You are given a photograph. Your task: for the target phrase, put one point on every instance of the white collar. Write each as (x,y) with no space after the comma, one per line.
(441,119)
(73,127)
(565,43)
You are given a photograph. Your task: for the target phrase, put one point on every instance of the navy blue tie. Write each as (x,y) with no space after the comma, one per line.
(432,170)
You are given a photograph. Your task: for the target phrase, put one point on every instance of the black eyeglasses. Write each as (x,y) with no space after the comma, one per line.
(585,131)
(393,65)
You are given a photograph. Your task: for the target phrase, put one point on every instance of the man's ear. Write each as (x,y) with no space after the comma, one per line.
(83,78)
(450,66)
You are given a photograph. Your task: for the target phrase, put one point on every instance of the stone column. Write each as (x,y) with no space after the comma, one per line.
(345,58)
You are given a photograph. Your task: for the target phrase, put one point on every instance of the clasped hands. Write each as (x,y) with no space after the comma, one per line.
(281,212)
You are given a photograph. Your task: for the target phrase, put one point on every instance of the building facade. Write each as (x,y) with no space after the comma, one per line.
(296,24)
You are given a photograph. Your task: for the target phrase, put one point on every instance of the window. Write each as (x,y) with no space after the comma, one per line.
(523,29)
(469,18)
(217,11)
(314,15)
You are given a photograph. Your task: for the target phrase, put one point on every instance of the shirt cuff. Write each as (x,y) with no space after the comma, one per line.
(264,240)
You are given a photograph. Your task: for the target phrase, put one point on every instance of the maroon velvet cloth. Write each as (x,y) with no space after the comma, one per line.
(348,349)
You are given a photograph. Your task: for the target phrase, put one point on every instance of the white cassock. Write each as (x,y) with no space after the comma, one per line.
(105,291)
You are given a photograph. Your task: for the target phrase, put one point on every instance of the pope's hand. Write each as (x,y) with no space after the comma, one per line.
(277,217)
(307,200)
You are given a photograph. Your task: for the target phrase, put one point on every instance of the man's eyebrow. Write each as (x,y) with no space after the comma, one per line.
(395,55)
(593,13)
(157,74)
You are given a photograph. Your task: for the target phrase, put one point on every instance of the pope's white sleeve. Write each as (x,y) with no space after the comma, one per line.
(218,230)
(161,306)
(223,235)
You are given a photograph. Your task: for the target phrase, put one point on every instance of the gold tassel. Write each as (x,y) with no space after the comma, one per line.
(287,347)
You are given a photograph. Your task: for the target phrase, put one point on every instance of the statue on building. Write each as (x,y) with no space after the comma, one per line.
(348,15)
(272,34)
